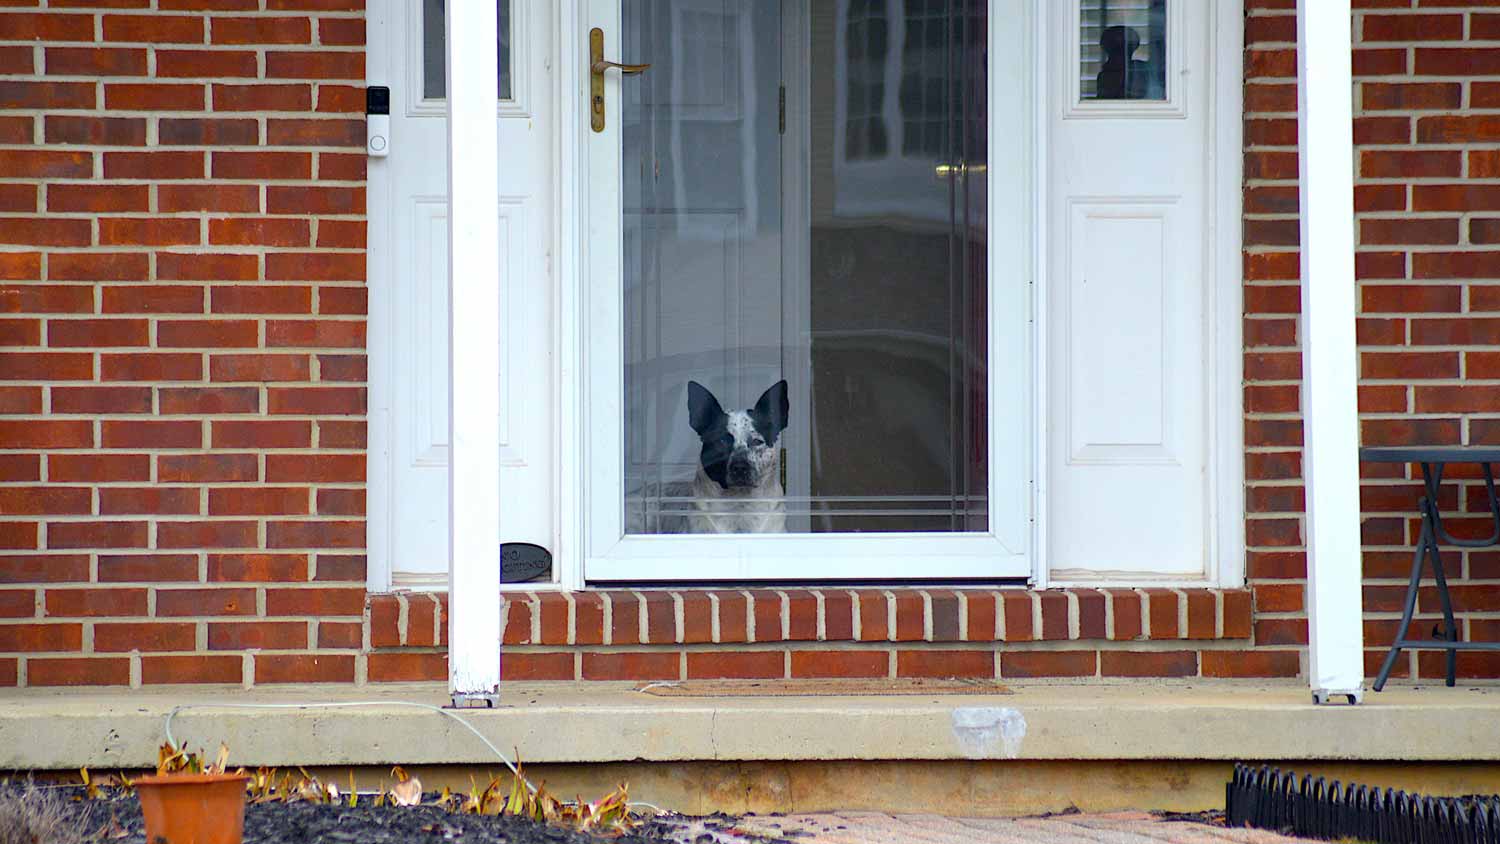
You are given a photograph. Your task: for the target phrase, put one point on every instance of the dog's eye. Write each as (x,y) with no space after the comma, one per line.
(757,440)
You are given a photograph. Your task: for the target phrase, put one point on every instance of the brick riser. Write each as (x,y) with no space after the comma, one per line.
(679,634)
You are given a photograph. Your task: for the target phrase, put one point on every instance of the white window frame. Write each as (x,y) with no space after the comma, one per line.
(521,77)
(1075,106)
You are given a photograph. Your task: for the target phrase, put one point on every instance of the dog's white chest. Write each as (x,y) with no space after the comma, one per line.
(757,510)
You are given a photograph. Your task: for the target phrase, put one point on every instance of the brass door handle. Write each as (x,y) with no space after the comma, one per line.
(627,69)
(597,66)
(949,171)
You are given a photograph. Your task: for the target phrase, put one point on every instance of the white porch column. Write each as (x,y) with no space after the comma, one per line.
(473,351)
(1330,366)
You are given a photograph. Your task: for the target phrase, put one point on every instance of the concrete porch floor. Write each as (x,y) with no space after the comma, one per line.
(1157,745)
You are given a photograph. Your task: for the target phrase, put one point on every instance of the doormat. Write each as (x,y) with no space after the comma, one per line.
(823,687)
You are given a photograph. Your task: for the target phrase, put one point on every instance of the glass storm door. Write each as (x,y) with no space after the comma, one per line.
(807,290)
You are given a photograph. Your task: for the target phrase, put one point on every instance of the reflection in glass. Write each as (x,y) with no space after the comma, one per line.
(434,41)
(1124,49)
(806,297)
(866,39)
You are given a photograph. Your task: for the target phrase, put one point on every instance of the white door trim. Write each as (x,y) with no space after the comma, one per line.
(380,278)
(1037,58)
(571,268)
(1226,199)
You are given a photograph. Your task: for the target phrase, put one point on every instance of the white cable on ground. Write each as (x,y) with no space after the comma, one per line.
(167,726)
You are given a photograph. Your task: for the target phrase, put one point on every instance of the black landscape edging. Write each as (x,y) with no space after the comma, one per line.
(1315,807)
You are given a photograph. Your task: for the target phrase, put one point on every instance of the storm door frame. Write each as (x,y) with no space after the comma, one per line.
(592,545)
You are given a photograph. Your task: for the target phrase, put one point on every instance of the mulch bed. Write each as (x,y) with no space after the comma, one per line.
(117,820)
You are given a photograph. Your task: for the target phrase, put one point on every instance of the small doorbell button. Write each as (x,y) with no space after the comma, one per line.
(378,120)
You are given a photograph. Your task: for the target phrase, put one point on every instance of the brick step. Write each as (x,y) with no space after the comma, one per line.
(785,633)
(662,617)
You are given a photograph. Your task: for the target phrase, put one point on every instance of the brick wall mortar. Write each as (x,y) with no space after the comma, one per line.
(1426,203)
(182,330)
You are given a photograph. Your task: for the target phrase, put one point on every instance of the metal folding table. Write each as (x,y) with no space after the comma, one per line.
(1433,460)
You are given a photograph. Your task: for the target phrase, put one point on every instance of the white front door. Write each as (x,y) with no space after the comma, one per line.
(1130,130)
(409,301)
(830,194)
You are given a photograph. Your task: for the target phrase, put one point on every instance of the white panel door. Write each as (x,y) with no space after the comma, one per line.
(1127,357)
(409,253)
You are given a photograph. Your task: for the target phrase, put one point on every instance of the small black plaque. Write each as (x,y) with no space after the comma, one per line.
(521,562)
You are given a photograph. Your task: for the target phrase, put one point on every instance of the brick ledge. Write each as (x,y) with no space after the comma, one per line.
(760,615)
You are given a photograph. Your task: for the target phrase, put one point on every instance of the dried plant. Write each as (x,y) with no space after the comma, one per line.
(95,786)
(174,760)
(33,816)
(609,815)
(408,789)
(261,786)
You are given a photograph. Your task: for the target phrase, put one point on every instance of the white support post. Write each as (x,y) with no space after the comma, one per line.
(473,353)
(1330,450)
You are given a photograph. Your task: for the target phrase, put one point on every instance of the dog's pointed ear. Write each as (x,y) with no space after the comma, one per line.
(703,409)
(772,409)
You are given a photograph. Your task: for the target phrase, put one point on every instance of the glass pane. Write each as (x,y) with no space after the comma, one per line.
(806,300)
(434,41)
(1124,49)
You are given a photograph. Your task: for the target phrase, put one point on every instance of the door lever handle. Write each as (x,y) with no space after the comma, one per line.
(628,69)
(597,66)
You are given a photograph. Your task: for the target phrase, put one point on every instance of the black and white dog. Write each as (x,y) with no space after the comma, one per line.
(738,485)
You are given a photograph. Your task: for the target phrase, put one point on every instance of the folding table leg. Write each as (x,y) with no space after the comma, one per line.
(1450,627)
(1411,598)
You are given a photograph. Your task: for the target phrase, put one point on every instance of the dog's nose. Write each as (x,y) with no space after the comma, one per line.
(740,471)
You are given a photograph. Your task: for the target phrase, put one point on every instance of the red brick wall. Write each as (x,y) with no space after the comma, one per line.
(182,379)
(182,311)
(1428,202)
(778,633)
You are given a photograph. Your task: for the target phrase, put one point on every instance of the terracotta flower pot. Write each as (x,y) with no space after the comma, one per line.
(193,808)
